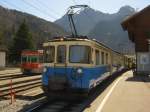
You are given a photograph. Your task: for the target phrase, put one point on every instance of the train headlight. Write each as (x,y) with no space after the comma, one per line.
(79,71)
(39,66)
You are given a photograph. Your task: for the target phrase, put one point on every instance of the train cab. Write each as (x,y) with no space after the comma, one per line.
(74,64)
(31,61)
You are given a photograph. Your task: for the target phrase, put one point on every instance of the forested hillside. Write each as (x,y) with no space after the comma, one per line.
(40,29)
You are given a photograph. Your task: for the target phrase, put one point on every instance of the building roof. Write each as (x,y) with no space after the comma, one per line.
(130,23)
(128,19)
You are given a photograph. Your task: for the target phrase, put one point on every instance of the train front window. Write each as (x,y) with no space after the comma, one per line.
(24,59)
(80,54)
(34,59)
(49,54)
(61,54)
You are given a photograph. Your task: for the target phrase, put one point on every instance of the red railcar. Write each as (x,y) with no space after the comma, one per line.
(31,61)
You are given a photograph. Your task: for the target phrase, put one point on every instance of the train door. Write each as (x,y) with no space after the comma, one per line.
(60,65)
(49,57)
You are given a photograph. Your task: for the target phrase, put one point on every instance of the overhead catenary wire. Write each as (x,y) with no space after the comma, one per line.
(48,8)
(90,3)
(70,14)
(5,2)
(10,4)
(75,3)
(42,11)
(89,17)
(39,5)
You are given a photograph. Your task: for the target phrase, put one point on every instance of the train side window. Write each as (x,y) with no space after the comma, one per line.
(102,57)
(100,61)
(106,58)
(61,54)
(97,56)
(49,54)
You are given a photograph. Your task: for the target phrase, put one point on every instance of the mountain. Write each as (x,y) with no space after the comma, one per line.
(84,21)
(102,26)
(40,28)
(111,33)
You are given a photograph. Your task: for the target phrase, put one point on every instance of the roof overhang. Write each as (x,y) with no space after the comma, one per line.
(128,23)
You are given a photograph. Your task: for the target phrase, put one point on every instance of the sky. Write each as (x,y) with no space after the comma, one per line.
(52,10)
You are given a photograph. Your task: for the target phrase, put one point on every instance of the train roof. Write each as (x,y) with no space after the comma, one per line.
(32,52)
(79,38)
(68,38)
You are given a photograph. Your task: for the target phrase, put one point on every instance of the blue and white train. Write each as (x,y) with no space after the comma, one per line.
(78,64)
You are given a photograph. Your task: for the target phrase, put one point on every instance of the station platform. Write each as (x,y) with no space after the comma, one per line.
(125,94)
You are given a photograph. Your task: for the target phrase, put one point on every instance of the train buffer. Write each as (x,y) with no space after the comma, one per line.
(125,94)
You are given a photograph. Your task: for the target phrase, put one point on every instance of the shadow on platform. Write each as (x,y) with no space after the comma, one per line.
(139,79)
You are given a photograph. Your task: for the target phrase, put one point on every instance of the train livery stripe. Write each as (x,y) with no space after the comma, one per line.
(90,75)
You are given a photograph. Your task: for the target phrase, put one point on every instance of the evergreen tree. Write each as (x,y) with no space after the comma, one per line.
(2,40)
(22,40)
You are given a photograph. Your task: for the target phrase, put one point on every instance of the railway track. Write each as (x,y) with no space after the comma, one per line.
(9,75)
(27,85)
(75,105)
(58,106)
(18,83)
(10,71)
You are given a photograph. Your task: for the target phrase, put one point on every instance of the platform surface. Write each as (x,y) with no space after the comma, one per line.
(125,94)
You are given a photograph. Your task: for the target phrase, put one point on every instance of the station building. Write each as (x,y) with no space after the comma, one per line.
(138,27)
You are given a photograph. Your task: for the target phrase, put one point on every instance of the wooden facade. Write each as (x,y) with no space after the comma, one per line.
(138,27)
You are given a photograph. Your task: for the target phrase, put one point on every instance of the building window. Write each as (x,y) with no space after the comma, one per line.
(149,41)
(147,33)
